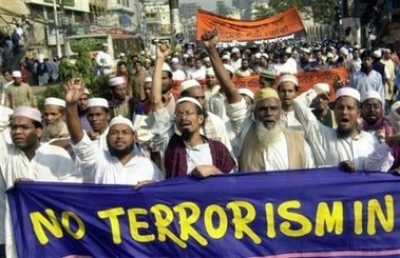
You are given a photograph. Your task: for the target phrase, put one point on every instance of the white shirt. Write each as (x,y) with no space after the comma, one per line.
(178,75)
(198,155)
(290,121)
(290,66)
(217,106)
(211,92)
(381,159)
(50,164)
(328,148)
(364,83)
(276,157)
(198,74)
(106,169)
(236,64)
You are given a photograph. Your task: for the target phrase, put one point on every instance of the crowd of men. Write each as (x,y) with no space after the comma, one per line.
(222,129)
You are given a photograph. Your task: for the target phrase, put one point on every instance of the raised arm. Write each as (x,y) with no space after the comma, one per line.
(210,41)
(74,90)
(162,52)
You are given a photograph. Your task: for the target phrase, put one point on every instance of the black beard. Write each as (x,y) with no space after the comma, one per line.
(120,153)
(186,134)
(343,133)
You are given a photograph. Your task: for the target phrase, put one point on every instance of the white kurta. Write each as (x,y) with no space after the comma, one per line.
(328,148)
(276,157)
(217,106)
(50,164)
(198,74)
(106,169)
(210,92)
(290,121)
(381,159)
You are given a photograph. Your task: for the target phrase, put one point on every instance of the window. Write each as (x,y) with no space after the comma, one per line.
(36,11)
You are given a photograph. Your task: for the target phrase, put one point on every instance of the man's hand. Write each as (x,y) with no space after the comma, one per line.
(348,166)
(210,39)
(23,179)
(204,171)
(163,50)
(143,183)
(74,89)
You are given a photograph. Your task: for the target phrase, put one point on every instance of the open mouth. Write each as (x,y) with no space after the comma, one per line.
(184,124)
(344,121)
(269,122)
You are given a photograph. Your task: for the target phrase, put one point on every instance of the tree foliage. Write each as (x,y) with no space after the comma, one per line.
(321,10)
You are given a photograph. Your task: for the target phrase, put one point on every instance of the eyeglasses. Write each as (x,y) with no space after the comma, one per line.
(184,114)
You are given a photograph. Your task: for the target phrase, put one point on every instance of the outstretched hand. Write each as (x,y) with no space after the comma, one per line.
(210,38)
(74,89)
(163,50)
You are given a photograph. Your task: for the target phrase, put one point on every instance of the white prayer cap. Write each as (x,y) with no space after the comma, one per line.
(97,102)
(185,56)
(348,92)
(357,46)
(288,78)
(28,112)
(330,55)
(258,55)
(115,81)
(86,91)
(166,68)
(378,53)
(105,45)
(210,72)
(54,102)
(122,54)
(265,55)
(189,99)
(206,59)
(322,86)
(288,50)
(371,94)
(148,79)
(306,50)
(16,74)
(147,60)
(185,85)
(226,57)
(247,92)
(229,68)
(175,60)
(235,50)
(344,51)
(121,120)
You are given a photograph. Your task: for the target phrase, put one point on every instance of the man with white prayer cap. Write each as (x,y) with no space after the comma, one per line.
(82,110)
(163,127)
(321,106)
(347,145)
(117,165)
(262,142)
(177,73)
(19,93)
(373,118)
(27,159)
(98,116)
(248,96)
(54,126)
(121,104)
(212,84)
(190,152)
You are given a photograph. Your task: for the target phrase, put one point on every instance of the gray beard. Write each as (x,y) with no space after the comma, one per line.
(268,136)
(54,130)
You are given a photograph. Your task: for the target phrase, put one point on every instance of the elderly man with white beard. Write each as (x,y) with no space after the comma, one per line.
(265,144)
(53,118)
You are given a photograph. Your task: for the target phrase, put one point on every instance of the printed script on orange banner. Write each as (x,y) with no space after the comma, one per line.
(281,25)
(306,80)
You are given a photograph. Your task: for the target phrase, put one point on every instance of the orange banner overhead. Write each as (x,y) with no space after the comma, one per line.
(306,80)
(285,24)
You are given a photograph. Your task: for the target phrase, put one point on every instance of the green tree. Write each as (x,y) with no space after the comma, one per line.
(321,11)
